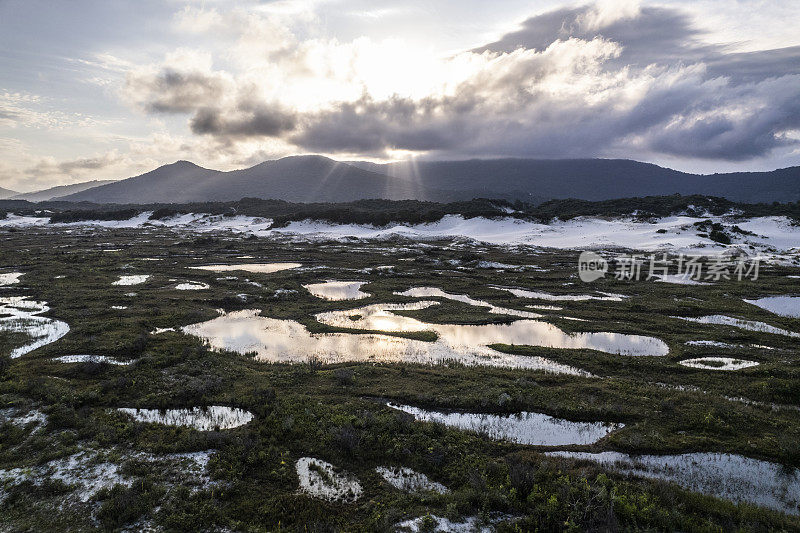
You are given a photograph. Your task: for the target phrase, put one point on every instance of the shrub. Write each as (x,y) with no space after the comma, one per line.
(83,215)
(719,236)
(344,376)
(5,364)
(124,505)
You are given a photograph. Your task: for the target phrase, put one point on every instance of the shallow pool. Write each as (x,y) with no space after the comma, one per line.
(731,477)
(780,305)
(286,341)
(338,290)
(257,268)
(20,315)
(535,429)
(201,418)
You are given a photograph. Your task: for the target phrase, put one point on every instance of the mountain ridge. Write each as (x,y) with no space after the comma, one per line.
(43,195)
(294,178)
(313,178)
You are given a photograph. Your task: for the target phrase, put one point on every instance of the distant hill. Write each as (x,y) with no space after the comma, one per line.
(61,190)
(320,179)
(6,193)
(294,179)
(591,179)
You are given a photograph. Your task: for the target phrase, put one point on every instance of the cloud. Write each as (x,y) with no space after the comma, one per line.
(50,167)
(648,35)
(604,78)
(183,83)
(29,173)
(756,121)
(198,20)
(747,67)
(20,109)
(247,120)
(171,91)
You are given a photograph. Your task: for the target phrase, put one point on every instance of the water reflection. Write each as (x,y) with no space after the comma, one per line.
(535,429)
(732,477)
(338,290)
(749,325)
(523,293)
(433,292)
(788,306)
(258,268)
(209,418)
(287,341)
(464,337)
(718,363)
(20,315)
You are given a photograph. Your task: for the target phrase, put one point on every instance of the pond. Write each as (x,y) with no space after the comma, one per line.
(731,477)
(433,292)
(749,325)
(287,341)
(718,363)
(678,279)
(466,337)
(714,344)
(535,429)
(338,290)
(209,418)
(256,268)
(20,315)
(538,295)
(788,306)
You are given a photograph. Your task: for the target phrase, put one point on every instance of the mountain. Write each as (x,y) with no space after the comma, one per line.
(295,179)
(6,193)
(320,179)
(61,190)
(591,179)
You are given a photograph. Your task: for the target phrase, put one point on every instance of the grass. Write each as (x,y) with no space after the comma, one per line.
(330,411)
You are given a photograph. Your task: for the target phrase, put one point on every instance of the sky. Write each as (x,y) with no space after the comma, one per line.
(108,89)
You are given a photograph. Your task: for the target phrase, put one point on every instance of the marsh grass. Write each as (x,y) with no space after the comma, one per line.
(331,412)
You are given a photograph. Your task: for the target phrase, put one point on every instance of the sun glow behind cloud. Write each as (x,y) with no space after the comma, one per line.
(229,86)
